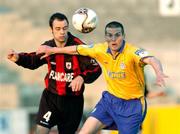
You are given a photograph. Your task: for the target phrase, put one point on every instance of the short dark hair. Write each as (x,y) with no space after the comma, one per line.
(58,16)
(115,24)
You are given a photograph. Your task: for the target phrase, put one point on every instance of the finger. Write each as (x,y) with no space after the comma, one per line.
(158,84)
(38,52)
(79,86)
(74,87)
(44,56)
(11,51)
(161,84)
(9,56)
(70,85)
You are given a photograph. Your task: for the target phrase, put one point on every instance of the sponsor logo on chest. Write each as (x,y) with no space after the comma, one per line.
(61,76)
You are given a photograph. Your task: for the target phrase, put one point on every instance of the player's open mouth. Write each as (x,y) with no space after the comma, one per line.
(113,44)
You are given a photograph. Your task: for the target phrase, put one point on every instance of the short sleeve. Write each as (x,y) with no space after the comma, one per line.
(140,53)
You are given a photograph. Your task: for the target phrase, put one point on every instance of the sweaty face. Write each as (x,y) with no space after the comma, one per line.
(114,37)
(59,30)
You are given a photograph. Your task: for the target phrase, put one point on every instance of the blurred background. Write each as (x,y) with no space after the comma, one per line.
(150,24)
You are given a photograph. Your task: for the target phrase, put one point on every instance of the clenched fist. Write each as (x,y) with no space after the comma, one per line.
(12,55)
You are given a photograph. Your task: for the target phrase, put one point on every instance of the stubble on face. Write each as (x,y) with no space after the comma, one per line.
(114,38)
(59,31)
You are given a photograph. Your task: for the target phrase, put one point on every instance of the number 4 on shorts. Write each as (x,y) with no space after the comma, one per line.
(47,116)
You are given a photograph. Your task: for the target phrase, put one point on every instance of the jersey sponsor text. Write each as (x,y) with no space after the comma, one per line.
(61,76)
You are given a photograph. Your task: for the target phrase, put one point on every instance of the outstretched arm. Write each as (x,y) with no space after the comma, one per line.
(13,55)
(157,66)
(47,50)
(26,60)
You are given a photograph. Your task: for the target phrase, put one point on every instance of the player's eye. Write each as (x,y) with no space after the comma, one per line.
(109,35)
(65,28)
(57,28)
(118,34)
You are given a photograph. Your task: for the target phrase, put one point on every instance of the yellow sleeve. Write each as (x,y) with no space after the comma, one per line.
(87,50)
(138,54)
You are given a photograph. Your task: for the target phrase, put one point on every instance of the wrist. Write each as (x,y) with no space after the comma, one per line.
(83,76)
(159,73)
(16,58)
(55,50)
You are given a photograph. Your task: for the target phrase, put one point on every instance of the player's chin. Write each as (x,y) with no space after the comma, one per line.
(61,39)
(115,48)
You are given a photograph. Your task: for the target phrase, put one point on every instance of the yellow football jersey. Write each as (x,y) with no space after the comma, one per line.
(124,74)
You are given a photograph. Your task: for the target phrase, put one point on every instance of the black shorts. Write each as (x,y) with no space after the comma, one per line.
(63,111)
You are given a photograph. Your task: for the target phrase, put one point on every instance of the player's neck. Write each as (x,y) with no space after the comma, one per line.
(60,44)
(114,54)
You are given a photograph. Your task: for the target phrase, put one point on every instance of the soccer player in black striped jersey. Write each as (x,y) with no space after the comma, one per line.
(62,100)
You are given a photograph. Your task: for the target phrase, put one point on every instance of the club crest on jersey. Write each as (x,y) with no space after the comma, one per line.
(122,66)
(68,65)
(93,62)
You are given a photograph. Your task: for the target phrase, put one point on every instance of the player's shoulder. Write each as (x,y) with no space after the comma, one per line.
(77,41)
(74,40)
(137,51)
(131,47)
(49,43)
(102,45)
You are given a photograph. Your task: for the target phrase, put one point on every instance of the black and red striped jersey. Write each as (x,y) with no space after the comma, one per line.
(62,68)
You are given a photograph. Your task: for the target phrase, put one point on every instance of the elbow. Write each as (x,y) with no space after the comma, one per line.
(93,77)
(31,67)
(154,60)
(149,60)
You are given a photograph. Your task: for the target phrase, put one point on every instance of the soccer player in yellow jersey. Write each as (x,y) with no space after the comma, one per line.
(123,103)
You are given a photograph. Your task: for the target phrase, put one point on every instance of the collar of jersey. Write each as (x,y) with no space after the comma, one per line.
(120,49)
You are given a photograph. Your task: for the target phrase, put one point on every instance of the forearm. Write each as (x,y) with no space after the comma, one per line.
(156,64)
(65,50)
(29,60)
(90,69)
(90,76)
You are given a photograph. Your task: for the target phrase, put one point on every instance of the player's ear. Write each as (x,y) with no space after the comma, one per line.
(124,35)
(50,29)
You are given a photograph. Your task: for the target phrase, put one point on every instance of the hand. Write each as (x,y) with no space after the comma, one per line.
(76,83)
(153,94)
(46,50)
(160,79)
(12,55)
